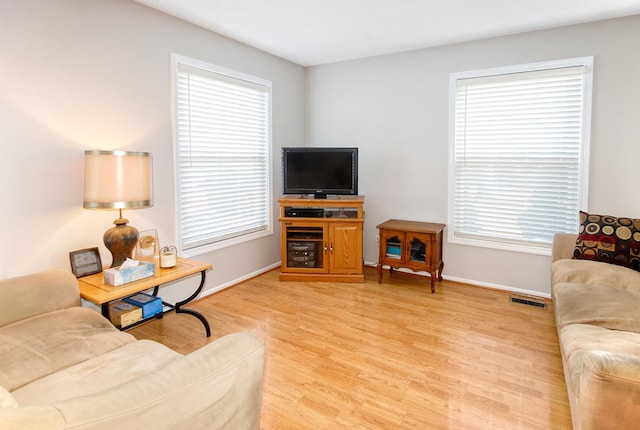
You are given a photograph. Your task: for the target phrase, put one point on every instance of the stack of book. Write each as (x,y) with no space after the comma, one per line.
(130,310)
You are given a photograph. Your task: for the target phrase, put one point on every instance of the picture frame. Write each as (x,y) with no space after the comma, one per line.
(85,262)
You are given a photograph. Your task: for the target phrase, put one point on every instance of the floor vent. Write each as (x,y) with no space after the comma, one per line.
(529,301)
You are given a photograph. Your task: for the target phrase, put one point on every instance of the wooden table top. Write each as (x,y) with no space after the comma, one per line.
(415,226)
(94,289)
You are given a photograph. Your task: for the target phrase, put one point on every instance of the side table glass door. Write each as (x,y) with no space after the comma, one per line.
(418,251)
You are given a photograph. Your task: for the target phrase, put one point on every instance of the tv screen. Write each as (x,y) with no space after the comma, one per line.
(320,171)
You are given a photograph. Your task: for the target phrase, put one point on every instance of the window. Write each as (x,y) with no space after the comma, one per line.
(222,146)
(518,153)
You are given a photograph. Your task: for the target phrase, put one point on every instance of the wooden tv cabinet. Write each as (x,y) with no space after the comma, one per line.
(322,239)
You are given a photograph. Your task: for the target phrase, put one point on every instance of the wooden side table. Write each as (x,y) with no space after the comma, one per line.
(94,289)
(412,245)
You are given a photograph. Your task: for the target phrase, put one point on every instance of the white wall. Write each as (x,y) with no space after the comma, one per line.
(78,75)
(395,108)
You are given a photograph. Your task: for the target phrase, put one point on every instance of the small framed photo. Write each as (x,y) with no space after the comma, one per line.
(85,262)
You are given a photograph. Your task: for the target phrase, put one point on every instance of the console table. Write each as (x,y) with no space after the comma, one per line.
(412,245)
(95,290)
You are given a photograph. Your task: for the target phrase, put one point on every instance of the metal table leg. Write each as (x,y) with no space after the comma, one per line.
(178,306)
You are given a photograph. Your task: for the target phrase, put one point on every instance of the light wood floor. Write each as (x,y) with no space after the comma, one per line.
(390,355)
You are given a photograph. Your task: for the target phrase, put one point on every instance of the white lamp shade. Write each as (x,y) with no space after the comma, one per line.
(117,180)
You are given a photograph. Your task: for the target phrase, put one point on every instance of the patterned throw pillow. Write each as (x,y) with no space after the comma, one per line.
(609,239)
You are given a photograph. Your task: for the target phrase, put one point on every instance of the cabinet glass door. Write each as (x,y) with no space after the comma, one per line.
(418,250)
(393,247)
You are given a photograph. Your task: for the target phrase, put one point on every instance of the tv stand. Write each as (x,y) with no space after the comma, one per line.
(322,239)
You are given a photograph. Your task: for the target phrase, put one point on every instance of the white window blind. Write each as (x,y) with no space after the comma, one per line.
(222,155)
(520,141)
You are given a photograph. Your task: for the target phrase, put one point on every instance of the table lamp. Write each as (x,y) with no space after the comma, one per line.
(118,180)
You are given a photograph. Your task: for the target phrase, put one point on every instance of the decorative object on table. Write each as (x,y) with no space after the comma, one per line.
(148,246)
(129,271)
(118,180)
(85,262)
(151,305)
(168,257)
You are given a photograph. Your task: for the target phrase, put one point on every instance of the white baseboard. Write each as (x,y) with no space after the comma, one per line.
(231,283)
(499,287)
(478,283)
(425,274)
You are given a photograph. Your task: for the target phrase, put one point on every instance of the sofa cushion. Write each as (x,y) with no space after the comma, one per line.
(577,339)
(120,366)
(35,347)
(609,239)
(37,293)
(608,307)
(7,400)
(593,273)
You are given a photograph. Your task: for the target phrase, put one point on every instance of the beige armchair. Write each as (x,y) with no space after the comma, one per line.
(63,366)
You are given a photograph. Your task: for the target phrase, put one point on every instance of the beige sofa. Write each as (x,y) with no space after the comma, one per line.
(597,311)
(63,366)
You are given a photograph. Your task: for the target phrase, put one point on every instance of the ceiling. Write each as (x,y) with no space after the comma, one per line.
(313,32)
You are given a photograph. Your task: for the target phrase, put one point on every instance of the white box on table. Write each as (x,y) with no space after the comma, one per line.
(115,276)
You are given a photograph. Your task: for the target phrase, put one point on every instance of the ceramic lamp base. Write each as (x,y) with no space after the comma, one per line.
(120,241)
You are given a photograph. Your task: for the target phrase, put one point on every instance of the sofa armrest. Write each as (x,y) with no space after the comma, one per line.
(563,246)
(218,386)
(34,294)
(609,391)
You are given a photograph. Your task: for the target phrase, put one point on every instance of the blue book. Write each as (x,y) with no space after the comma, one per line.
(151,305)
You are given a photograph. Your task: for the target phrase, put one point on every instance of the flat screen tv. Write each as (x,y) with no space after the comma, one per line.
(320,171)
